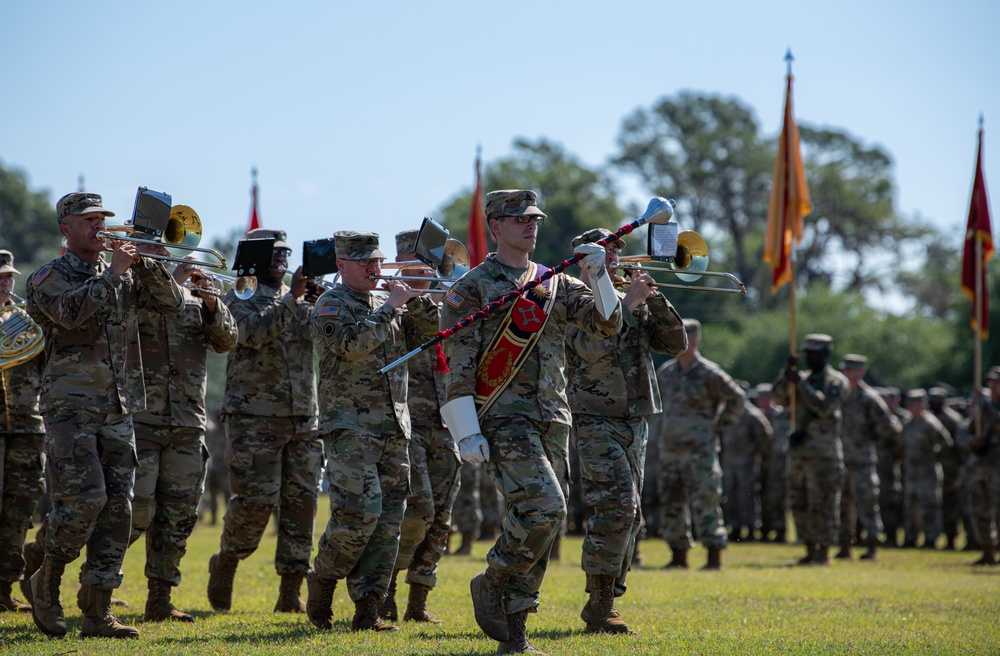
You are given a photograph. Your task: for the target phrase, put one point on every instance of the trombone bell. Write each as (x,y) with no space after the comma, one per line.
(183,228)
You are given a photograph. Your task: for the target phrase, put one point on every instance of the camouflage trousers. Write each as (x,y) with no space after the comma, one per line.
(467,513)
(890,498)
(274,465)
(168,487)
(951,501)
(368,477)
(529,465)
(434,480)
(922,508)
(690,484)
(859,503)
(774,492)
(90,463)
(612,453)
(814,486)
(984,501)
(741,502)
(20,487)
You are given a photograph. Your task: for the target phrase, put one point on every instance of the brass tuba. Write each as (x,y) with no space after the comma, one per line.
(20,337)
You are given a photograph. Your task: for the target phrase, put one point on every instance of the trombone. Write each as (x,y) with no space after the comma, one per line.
(243,287)
(183,232)
(689,264)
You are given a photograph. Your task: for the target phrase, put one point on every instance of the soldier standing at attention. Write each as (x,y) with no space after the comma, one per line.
(984,468)
(699,401)
(22,434)
(773,467)
(816,454)
(365,423)
(612,389)
(275,452)
(890,473)
(952,462)
(507,401)
(170,433)
(434,469)
(91,388)
(867,421)
(925,441)
(744,444)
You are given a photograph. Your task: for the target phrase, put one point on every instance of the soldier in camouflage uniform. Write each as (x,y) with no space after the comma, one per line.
(365,422)
(170,433)
(612,389)
(867,421)
(275,452)
(744,444)
(21,436)
(434,471)
(984,468)
(699,401)
(92,386)
(924,442)
(952,498)
(816,454)
(890,472)
(467,512)
(523,436)
(773,467)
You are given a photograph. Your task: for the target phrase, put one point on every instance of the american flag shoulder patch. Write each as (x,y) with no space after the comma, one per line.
(42,274)
(453,299)
(329,311)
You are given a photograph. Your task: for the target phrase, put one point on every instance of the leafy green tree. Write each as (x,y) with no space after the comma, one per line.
(28,226)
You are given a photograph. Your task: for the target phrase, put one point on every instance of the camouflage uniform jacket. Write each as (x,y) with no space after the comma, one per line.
(426,391)
(777,417)
(867,420)
(988,454)
(749,437)
(271,372)
(538,389)
(615,377)
(89,315)
(924,441)
(818,397)
(19,396)
(699,402)
(356,335)
(174,361)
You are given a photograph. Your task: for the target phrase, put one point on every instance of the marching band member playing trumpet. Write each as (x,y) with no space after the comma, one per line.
(612,389)
(92,386)
(275,453)
(507,402)
(170,433)
(365,424)
(21,436)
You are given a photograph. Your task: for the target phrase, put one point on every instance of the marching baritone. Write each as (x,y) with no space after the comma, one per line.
(21,437)
(170,433)
(365,423)
(275,453)
(507,402)
(92,386)
(612,389)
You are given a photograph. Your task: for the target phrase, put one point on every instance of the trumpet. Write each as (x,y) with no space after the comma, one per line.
(689,264)
(438,290)
(243,287)
(183,233)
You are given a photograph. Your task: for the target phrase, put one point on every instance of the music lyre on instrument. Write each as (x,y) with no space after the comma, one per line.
(20,337)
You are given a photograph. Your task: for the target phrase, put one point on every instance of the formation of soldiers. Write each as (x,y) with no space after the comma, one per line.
(115,407)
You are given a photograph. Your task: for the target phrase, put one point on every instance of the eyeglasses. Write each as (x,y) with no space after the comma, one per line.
(525,220)
(282,252)
(616,251)
(364,264)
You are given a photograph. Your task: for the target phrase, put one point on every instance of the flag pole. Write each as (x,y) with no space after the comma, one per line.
(977,366)
(793,261)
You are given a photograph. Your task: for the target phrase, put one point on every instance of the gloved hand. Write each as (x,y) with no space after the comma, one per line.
(593,261)
(474,449)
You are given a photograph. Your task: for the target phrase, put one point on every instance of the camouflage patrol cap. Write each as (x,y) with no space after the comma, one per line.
(937,393)
(512,202)
(80,202)
(7,262)
(763,388)
(854,361)
(354,245)
(406,241)
(278,236)
(993,373)
(692,326)
(818,342)
(597,234)
(916,394)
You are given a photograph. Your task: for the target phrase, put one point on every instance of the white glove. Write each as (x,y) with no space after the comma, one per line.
(474,449)
(593,261)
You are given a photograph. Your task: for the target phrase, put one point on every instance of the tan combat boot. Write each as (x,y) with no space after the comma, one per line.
(32,553)
(221,571)
(158,606)
(487,589)
(98,622)
(43,595)
(518,643)
(714,560)
(465,548)
(319,608)
(83,594)
(822,556)
(9,604)
(678,560)
(810,557)
(600,613)
(416,605)
(366,614)
(289,600)
(388,608)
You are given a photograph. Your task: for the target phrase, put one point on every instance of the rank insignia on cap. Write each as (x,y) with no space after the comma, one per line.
(453,299)
(41,275)
(329,311)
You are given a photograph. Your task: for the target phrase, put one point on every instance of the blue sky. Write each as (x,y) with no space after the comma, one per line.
(367,115)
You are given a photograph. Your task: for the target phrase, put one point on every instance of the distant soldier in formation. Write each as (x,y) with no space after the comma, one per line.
(467,512)
(924,442)
(743,446)
(773,467)
(612,390)
(952,498)
(984,467)
(890,472)
(816,455)
(699,401)
(867,421)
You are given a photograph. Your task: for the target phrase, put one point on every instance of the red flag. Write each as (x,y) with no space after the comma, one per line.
(254,216)
(476,241)
(789,199)
(978,229)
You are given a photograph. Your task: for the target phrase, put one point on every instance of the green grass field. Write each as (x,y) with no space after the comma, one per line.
(910,602)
